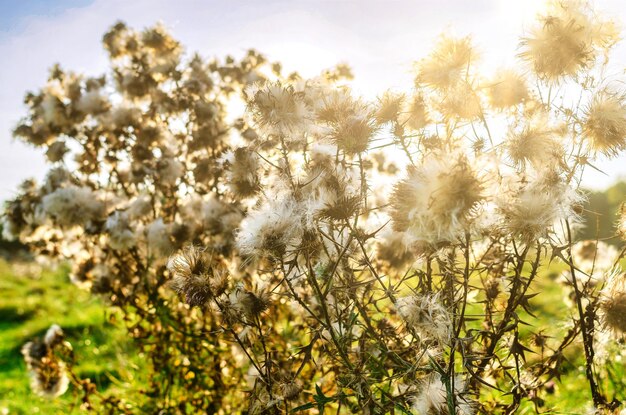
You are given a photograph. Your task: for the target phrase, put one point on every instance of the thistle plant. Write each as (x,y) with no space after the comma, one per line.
(318,252)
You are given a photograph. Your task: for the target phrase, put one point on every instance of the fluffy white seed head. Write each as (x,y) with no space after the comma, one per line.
(438,199)
(272,230)
(73,205)
(427,316)
(604,126)
(433,397)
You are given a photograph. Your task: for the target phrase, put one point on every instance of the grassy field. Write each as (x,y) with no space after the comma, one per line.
(33,298)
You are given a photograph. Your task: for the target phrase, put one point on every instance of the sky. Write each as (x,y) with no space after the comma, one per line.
(379,39)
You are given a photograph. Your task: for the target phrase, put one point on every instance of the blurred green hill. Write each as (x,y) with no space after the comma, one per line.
(601,210)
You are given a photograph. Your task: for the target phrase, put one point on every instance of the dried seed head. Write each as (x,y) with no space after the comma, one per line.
(567,39)
(290,390)
(437,200)
(613,302)
(47,372)
(534,142)
(279,109)
(353,134)
(426,315)
(531,205)
(447,63)
(249,303)
(539,339)
(605,123)
(507,89)
(389,107)
(342,209)
(614,311)
(73,205)
(56,151)
(272,230)
(197,275)
(415,113)
(433,397)
(242,175)
(54,336)
(461,101)
(493,287)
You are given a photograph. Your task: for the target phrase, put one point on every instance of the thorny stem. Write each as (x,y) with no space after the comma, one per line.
(586,329)
(268,360)
(456,323)
(515,297)
(329,325)
(405,148)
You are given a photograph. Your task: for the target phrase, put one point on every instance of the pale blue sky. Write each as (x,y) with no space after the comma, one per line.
(380,39)
(13,11)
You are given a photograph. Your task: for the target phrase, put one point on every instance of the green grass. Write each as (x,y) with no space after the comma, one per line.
(32,299)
